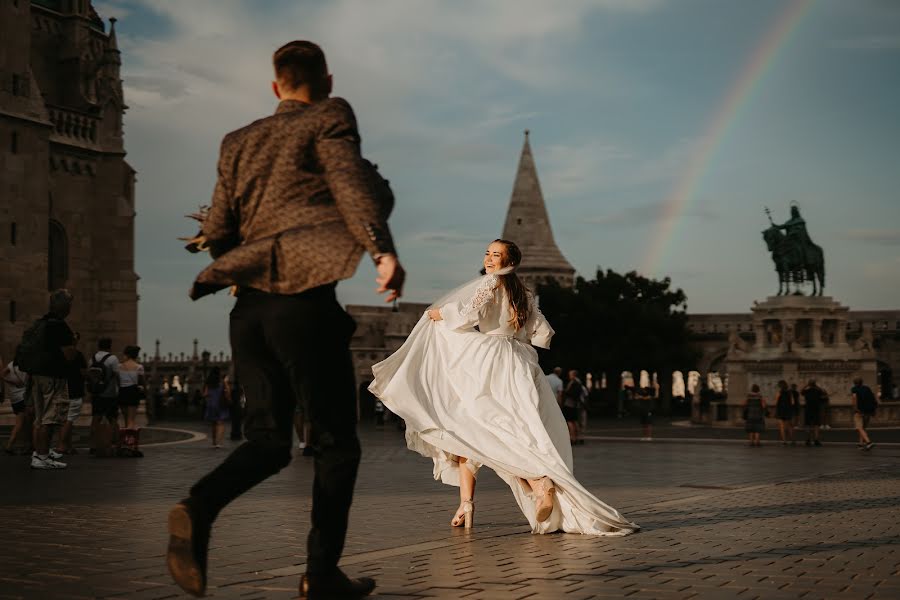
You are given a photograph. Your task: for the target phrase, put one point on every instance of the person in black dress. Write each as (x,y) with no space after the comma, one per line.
(785,409)
(814,398)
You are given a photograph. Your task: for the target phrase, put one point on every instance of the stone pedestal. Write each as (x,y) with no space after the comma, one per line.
(799,338)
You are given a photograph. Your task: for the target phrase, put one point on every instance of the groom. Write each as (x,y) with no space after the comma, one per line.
(294,208)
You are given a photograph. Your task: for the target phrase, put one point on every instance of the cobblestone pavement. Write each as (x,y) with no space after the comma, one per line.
(720,521)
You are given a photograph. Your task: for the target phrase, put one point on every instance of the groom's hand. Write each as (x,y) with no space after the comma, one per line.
(390,276)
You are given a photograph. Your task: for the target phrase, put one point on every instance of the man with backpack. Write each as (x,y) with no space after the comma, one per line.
(45,349)
(103,384)
(864,406)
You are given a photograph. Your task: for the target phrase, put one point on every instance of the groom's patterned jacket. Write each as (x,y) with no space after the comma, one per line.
(295,204)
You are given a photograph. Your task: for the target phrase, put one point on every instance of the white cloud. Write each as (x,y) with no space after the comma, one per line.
(883,271)
(576,169)
(888,237)
(112,8)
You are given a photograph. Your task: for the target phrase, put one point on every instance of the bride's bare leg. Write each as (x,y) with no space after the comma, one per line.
(466,493)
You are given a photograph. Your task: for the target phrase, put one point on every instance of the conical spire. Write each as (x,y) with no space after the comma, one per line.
(113,44)
(528,225)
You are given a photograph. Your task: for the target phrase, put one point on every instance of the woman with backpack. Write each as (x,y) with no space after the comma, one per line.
(217,397)
(864,406)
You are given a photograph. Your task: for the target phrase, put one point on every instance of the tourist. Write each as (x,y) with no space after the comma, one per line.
(103,384)
(623,400)
(814,398)
(571,399)
(864,407)
(468,383)
(132,384)
(644,398)
(45,349)
(554,378)
(755,415)
(15,383)
(77,369)
(785,409)
(322,206)
(217,395)
(795,395)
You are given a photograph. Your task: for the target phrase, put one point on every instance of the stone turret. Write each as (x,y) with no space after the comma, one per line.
(528,225)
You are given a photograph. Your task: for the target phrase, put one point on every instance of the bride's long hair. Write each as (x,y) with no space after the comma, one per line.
(515,289)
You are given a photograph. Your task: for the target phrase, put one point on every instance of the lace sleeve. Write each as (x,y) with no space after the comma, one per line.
(463,314)
(540,330)
(483,295)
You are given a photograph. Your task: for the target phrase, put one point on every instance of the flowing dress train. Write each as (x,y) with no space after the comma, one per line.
(480,393)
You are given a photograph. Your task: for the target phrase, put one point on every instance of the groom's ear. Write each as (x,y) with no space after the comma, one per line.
(276,90)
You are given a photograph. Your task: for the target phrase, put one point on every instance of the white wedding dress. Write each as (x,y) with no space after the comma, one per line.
(481,394)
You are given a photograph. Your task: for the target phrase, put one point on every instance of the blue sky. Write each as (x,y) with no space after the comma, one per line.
(616,93)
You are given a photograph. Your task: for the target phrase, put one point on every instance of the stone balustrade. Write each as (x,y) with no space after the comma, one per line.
(75,126)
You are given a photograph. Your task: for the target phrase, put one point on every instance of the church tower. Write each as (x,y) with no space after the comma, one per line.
(528,225)
(66,190)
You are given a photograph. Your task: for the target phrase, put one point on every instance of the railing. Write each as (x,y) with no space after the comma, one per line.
(76,126)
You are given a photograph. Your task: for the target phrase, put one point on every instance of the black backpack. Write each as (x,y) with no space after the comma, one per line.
(33,355)
(99,375)
(865,400)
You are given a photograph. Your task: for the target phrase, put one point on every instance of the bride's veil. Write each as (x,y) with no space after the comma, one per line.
(466,290)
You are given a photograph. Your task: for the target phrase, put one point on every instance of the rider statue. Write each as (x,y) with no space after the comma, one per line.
(797,259)
(797,235)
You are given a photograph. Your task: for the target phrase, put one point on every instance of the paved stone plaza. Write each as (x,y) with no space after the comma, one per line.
(721,520)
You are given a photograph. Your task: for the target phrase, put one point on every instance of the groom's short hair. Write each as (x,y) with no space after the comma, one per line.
(298,63)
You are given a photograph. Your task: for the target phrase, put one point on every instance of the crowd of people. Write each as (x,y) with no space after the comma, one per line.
(787,409)
(48,380)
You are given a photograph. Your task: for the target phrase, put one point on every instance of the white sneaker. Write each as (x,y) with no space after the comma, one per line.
(46,463)
(55,455)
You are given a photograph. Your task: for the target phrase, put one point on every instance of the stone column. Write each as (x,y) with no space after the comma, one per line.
(788,334)
(817,342)
(841,333)
(759,330)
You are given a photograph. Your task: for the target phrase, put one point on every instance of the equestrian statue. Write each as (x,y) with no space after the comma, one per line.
(797,259)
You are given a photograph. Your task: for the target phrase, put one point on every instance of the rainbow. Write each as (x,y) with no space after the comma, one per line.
(749,78)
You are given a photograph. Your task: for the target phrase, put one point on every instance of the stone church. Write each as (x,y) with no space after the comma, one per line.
(66,191)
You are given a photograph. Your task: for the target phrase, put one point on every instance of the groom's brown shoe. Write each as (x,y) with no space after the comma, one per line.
(336,586)
(189,530)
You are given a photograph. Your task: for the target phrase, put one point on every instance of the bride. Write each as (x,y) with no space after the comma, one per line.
(468,384)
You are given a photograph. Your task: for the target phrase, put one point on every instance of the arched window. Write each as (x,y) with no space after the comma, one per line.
(57,257)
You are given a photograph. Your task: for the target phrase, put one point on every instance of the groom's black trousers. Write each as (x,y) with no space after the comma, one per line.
(290,349)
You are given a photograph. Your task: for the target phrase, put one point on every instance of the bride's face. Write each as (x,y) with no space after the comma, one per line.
(494,257)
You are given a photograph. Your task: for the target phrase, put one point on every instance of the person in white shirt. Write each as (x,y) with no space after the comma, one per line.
(103,384)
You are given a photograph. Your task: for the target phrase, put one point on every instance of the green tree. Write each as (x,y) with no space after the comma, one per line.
(616,323)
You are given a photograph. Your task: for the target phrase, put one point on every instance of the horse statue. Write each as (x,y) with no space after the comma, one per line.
(797,259)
